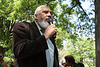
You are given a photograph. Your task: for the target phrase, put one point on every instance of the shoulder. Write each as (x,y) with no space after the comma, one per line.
(21,25)
(24,23)
(4,63)
(81,64)
(76,65)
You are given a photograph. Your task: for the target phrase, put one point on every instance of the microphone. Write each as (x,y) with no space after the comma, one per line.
(51,22)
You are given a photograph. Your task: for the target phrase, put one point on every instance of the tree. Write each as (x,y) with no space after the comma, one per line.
(12,11)
(84,24)
(97,32)
(82,49)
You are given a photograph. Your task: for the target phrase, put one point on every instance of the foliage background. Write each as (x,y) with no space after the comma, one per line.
(75,37)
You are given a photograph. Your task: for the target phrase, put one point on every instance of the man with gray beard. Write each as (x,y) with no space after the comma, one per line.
(33,43)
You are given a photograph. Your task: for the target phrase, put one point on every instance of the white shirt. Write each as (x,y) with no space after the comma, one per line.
(49,51)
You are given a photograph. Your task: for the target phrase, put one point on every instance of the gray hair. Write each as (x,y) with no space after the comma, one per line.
(39,8)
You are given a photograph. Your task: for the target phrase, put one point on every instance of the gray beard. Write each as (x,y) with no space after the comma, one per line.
(43,24)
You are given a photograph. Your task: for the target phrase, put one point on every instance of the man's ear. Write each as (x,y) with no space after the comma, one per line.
(36,16)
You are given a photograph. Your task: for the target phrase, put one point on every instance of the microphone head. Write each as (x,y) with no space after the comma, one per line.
(50,21)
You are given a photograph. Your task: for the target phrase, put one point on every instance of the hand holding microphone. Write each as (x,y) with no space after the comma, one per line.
(51,22)
(51,30)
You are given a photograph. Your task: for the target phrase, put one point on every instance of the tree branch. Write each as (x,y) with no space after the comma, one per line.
(79,4)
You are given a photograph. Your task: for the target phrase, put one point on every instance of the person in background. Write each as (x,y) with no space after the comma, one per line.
(12,64)
(33,43)
(62,62)
(70,61)
(2,62)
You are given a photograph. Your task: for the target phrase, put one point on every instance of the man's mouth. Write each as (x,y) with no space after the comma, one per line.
(47,19)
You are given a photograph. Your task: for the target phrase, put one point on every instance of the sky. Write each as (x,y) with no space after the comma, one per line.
(86,6)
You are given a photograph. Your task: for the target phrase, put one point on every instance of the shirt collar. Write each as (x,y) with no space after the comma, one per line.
(39,27)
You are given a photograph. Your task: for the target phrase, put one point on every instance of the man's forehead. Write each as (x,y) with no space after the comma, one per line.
(46,9)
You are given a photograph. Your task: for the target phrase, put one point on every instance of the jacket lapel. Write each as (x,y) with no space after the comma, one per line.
(38,33)
(35,29)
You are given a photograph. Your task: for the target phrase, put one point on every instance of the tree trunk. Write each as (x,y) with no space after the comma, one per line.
(97,32)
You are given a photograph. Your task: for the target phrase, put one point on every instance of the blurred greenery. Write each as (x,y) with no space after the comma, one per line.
(71,32)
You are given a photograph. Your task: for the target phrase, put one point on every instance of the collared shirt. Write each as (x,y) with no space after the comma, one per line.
(49,51)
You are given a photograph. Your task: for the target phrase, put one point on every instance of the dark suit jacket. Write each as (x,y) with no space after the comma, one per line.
(29,46)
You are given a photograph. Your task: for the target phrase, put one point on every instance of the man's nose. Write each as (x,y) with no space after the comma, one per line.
(49,15)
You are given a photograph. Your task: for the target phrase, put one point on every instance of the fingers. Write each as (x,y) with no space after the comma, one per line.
(55,29)
(50,31)
(52,25)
